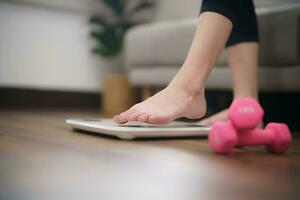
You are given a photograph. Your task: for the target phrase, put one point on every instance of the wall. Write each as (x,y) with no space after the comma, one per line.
(47,49)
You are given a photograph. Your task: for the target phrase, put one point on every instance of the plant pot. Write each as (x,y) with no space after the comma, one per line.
(117,94)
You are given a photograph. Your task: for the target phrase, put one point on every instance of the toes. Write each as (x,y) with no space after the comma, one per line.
(221,116)
(120,119)
(152,119)
(209,121)
(133,113)
(204,122)
(159,119)
(142,118)
(133,116)
(123,117)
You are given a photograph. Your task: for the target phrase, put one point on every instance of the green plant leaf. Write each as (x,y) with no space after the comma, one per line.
(98,21)
(117,6)
(104,52)
(109,41)
(141,6)
(109,38)
(125,25)
(103,38)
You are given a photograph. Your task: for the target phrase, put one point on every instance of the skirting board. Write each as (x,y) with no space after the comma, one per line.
(279,106)
(16,97)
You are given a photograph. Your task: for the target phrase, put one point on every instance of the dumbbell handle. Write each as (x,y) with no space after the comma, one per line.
(255,137)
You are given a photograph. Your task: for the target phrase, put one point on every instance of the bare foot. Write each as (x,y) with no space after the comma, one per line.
(169,104)
(220,116)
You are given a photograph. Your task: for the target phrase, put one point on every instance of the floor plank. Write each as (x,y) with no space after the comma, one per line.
(42,158)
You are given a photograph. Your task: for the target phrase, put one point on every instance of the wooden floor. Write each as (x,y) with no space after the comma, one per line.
(42,158)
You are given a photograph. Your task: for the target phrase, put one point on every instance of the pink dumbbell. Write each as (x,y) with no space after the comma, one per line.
(244,116)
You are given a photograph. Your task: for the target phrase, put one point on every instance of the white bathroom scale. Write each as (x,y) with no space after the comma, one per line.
(133,130)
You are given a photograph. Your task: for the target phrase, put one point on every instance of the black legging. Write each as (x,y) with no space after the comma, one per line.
(242,15)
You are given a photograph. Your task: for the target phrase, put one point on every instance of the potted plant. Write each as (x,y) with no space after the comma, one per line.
(108,33)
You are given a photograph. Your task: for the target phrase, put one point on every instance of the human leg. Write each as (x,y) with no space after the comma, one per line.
(242,60)
(184,96)
(242,53)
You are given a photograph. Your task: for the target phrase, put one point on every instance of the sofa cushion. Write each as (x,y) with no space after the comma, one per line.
(164,43)
(167,43)
(279,36)
(270,79)
(171,10)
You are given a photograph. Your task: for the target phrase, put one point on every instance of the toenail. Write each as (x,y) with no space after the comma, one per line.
(141,118)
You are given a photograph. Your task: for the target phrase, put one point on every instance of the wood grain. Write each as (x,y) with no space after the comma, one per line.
(42,158)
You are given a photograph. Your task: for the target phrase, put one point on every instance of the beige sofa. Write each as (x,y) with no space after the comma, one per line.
(154,52)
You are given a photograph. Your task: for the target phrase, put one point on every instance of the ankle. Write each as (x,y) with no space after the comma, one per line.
(188,87)
(241,95)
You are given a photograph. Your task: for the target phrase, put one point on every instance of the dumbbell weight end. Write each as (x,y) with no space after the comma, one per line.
(222,137)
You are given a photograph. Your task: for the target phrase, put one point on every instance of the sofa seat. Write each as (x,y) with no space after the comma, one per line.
(154,52)
(270,79)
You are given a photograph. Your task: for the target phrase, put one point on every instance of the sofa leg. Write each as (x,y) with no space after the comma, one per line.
(146,92)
